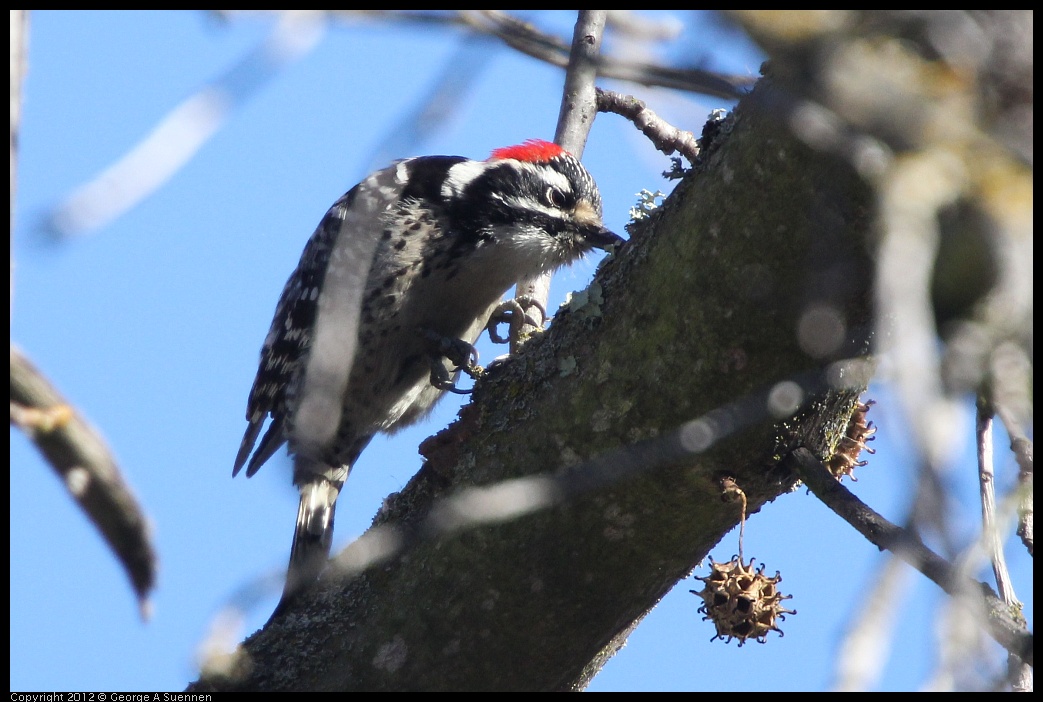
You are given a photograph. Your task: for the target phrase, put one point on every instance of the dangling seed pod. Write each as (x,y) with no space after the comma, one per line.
(851,445)
(741,601)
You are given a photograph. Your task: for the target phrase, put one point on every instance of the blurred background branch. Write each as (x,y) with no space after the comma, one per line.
(73,448)
(87,469)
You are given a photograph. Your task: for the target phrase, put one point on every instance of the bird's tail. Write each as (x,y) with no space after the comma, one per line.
(313,535)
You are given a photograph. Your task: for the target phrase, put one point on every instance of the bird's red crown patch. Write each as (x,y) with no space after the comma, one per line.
(533,151)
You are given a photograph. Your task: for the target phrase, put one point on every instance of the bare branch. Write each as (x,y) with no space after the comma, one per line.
(578,102)
(664,136)
(87,469)
(1020,677)
(987,489)
(575,117)
(1011,380)
(1007,630)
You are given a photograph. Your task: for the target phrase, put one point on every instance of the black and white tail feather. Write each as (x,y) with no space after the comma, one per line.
(422,250)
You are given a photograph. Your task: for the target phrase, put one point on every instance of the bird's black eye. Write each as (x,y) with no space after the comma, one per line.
(555,198)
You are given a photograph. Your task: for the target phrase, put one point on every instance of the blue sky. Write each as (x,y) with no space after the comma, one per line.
(152,326)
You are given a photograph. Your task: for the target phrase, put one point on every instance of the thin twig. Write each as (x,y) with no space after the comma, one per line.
(1001,624)
(1019,676)
(575,117)
(664,136)
(578,101)
(986,486)
(1021,446)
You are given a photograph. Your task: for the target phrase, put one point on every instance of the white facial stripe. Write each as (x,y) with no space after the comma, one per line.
(551,177)
(460,175)
(524,203)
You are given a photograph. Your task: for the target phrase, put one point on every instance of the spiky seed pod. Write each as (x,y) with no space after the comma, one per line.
(741,601)
(851,445)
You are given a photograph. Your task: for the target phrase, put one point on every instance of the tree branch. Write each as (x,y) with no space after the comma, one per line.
(87,469)
(1008,631)
(664,136)
(575,117)
(1021,447)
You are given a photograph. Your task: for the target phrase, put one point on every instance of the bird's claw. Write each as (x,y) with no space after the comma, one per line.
(514,313)
(461,354)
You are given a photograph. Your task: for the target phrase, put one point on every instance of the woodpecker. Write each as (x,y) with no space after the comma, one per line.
(392,290)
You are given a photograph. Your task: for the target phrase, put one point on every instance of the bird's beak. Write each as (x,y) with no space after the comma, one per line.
(591,229)
(601,238)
